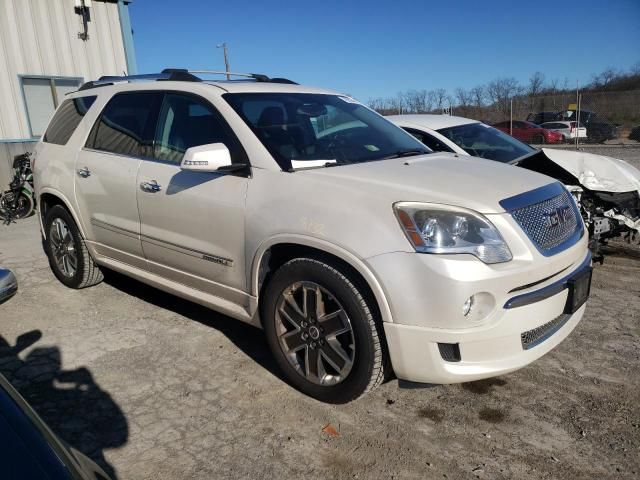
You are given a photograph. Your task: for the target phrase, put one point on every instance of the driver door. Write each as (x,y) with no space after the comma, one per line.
(193,223)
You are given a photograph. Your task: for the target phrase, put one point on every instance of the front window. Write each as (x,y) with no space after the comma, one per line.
(302,129)
(481,140)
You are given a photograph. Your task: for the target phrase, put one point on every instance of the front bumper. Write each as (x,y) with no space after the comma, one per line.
(517,303)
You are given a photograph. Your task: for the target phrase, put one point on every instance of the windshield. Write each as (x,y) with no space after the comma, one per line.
(306,130)
(481,140)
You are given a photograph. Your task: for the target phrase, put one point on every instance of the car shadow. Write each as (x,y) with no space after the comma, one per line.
(249,339)
(70,402)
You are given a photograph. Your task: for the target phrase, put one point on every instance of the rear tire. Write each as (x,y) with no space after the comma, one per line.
(538,140)
(67,251)
(322,331)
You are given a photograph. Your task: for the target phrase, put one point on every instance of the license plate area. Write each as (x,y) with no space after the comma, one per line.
(578,288)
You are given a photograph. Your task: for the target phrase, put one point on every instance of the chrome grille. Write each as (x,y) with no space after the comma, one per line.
(549,223)
(537,335)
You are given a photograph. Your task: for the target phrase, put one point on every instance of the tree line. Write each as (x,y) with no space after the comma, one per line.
(611,93)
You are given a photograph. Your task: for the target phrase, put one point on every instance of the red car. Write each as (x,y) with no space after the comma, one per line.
(530,132)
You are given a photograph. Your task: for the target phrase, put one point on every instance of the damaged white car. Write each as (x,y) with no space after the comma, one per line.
(606,189)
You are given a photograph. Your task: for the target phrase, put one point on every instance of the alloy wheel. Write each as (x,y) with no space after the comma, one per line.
(315,333)
(63,247)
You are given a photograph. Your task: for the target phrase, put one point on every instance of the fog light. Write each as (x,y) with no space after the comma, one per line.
(468,305)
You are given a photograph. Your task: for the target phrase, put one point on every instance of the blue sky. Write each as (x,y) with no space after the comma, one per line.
(378,48)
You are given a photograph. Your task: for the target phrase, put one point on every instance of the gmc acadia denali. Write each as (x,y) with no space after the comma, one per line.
(359,251)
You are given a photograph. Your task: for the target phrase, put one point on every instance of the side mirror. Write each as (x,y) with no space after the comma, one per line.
(8,285)
(207,158)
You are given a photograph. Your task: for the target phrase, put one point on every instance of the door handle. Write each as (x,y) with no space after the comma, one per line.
(150,186)
(84,172)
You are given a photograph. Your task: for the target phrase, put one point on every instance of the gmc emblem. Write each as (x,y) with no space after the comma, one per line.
(558,216)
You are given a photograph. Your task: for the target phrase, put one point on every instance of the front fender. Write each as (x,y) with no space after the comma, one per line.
(308,241)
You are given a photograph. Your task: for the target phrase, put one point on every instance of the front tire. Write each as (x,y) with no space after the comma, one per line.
(67,251)
(323,331)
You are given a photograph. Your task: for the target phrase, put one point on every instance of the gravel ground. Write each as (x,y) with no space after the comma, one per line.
(153,387)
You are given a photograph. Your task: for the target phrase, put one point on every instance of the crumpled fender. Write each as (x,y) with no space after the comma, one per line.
(597,172)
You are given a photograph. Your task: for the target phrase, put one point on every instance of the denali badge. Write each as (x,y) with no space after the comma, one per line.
(558,216)
(219,260)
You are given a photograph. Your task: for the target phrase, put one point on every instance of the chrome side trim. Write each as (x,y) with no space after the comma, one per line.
(114,229)
(227,262)
(548,291)
(209,257)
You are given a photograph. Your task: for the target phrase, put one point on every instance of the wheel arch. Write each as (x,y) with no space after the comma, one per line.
(278,250)
(48,199)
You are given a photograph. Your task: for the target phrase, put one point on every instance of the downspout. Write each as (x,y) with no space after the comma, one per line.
(127,37)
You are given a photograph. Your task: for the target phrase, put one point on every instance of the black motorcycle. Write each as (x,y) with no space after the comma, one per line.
(19,201)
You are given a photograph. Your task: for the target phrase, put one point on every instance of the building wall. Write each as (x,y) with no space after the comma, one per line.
(40,37)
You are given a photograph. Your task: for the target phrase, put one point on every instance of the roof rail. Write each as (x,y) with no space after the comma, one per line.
(258,77)
(178,75)
(169,74)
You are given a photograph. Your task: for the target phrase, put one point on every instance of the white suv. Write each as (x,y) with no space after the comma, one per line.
(357,250)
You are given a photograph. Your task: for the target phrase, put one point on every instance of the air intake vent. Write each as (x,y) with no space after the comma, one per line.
(450,352)
(537,335)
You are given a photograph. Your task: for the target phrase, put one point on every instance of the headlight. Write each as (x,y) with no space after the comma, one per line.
(433,228)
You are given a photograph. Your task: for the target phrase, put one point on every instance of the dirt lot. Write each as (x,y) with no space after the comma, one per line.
(154,387)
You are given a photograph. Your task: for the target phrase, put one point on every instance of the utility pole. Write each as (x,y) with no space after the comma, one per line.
(226,58)
(577,113)
(511,117)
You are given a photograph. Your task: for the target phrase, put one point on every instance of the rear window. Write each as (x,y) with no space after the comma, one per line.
(126,125)
(66,119)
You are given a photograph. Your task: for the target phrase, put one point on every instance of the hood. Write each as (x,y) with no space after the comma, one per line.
(597,172)
(439,178)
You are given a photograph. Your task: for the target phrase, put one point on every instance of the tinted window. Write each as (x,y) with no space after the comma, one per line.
(126,124)
(317,129)
(66,119)
(429,140)
(185,122)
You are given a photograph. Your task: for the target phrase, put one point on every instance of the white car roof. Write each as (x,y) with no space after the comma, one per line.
(434,122)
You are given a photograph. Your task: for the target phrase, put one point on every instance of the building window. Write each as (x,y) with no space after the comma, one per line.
(42,95)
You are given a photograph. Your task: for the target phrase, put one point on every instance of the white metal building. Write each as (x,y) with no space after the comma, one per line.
(47,49)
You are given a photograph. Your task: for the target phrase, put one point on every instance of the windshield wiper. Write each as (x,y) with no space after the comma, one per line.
(405,153)
(315,164)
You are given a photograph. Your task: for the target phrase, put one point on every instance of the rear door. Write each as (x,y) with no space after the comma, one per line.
(106,170)
(193,223)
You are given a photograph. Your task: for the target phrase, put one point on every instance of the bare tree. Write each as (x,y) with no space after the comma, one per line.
(463,97)
(536,84)
(604,78)
(500,92)
(440,97)
(416,101)
(478,95)
(552,87)
(534,88)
